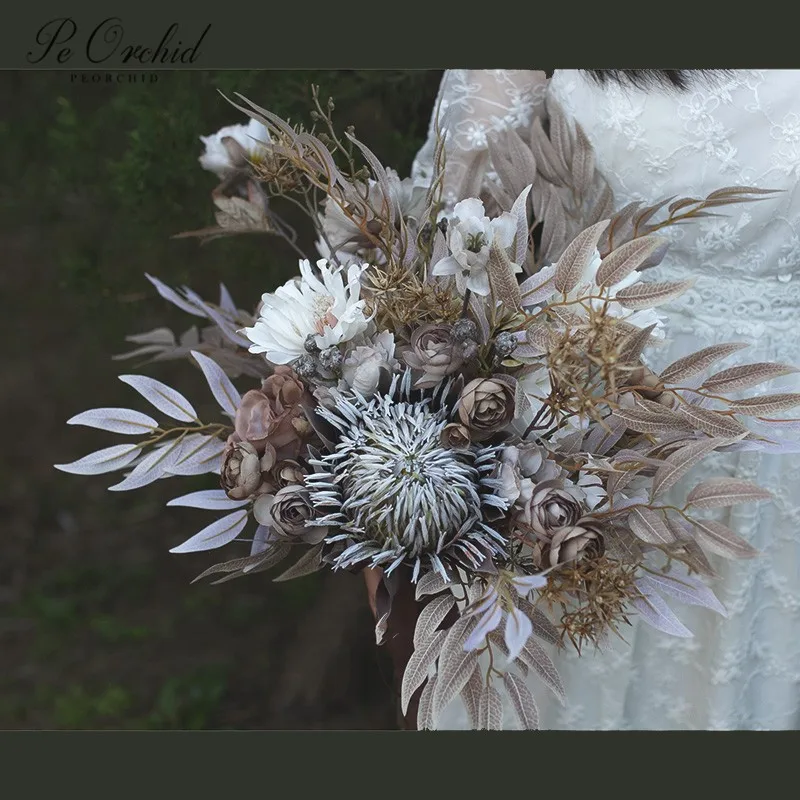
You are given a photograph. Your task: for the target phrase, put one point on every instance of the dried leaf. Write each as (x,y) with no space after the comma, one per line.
(109,459)
(644,421)
(650,527)
(502,279)
(575,259)
(686,589)
(765,404)
(309,563)
(682,460)
(650,295)
(626,258)
(522,701)
(722,492)
(542,626)
(115,420)
(554,228)
(722,540)
(711,422)
(746,376)
(548,163)
(426,719)
(582,161)
(211,499)
(221,387)
(695,363)
(216,534)
(416,671)
(490,714)
(470,695)
(534,656)
(163,397)
(634,344)
(432,616)
(656,613)
(474,174)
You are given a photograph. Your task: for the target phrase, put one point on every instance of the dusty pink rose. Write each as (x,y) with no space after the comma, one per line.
(273,414)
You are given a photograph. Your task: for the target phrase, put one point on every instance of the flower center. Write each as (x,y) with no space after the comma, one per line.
(321,310)
(475,242)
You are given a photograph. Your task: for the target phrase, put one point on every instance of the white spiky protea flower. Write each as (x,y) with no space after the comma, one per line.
(396,493)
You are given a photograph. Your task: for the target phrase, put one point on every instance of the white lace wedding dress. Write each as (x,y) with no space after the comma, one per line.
(738,128)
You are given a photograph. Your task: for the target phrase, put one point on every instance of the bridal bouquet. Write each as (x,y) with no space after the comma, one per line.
(457,395)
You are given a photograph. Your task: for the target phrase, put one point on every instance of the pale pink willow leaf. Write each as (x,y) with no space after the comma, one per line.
(174,297)
(724,492)
(216,534)
(200,454)
(626,258)
(682,460)
(109,459)
(656,613)
(765,404)
(115,420)
(220,384)
(432,616)
(490,714)
(650,527)
(686,589)
(722,540)
(645,295)
(166,399)
(695,363)
(576,257)
(212,499)
(522,701)
(152,467)
(226,301)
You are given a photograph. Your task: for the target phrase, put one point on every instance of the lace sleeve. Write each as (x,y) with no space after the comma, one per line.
(473,105)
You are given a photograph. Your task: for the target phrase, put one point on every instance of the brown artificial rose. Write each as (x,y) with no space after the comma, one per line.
(434,353)
(240,475)
(546,507)
(273,414)
(455,436)
(650,385)
(569,544)
(291,510)
(287,473)
(486,406)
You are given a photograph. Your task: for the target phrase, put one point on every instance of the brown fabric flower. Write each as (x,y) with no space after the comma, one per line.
(240,475)
(570,543)
(288,512)
(486,406)
(273,414)
(455,436)
(546,507)
(434,353)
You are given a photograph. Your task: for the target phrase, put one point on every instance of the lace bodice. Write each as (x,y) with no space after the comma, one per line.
(742,127)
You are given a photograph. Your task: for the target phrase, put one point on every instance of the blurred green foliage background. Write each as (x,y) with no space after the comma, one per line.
(99,627)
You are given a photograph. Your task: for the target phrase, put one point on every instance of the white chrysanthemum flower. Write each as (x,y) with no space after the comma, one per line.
(217,158)
(327,308)
(396,493)
(470,235)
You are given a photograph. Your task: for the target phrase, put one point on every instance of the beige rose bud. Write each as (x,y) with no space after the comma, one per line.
(434,353)
(486,406)
(545,507)
(570,544)
(651,384)
(455,436)
(288,472)
(290,511)
(240,475)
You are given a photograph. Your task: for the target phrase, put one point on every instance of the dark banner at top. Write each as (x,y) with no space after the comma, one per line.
(364,36)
